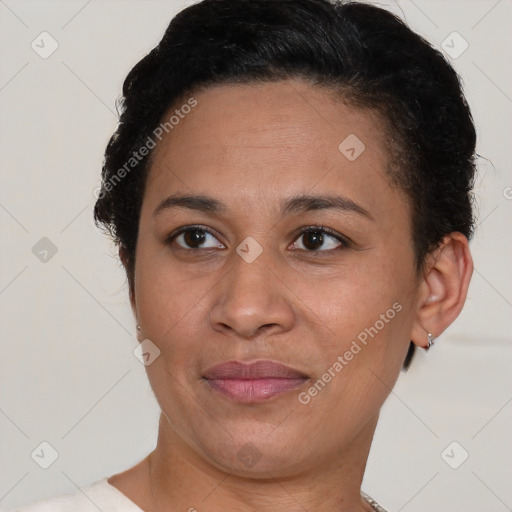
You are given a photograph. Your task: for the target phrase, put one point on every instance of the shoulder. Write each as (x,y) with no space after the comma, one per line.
(98,495)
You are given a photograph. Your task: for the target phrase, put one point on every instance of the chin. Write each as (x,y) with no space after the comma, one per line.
(257,456)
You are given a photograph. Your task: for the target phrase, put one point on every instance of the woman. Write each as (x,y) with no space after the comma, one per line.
(290,190)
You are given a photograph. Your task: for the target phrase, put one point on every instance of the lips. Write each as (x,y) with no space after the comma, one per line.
(253,382)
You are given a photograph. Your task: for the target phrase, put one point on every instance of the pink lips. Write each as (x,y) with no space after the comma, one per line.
(253,382)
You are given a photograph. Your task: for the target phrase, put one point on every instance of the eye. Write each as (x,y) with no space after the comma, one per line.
(195,237)
(312,239)
(318,239)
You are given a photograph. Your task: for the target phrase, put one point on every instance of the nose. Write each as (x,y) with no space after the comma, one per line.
(251,300)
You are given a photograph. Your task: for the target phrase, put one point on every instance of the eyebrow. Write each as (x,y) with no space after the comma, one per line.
(292,205)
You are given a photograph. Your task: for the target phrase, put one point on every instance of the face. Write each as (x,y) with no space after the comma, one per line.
(275,273)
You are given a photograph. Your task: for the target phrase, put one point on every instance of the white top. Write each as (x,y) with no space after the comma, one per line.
(99,495)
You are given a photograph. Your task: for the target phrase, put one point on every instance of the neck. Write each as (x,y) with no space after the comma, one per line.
(176,476)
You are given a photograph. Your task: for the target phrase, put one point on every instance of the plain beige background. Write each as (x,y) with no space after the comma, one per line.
(68,374)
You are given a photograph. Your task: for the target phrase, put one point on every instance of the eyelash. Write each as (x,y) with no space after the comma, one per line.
(344,241)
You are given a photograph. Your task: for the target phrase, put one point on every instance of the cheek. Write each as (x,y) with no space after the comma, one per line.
(362,320)
(359,365)
(347,300)
(172,308)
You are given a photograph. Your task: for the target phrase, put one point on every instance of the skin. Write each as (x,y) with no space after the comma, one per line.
(251,147)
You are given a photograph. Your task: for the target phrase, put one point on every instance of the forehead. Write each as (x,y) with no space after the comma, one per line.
(269,140)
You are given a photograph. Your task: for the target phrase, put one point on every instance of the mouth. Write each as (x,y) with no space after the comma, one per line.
(253,382)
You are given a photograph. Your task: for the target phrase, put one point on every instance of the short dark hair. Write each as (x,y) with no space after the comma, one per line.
(363,52)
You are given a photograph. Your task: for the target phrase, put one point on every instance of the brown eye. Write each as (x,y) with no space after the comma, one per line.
(196,238)
(313,240)
(317,240)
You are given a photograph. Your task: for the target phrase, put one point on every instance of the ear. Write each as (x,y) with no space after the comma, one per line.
(123,256)
(443,288)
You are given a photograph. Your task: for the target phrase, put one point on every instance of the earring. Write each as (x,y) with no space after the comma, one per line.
(431,340)
(138,328)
